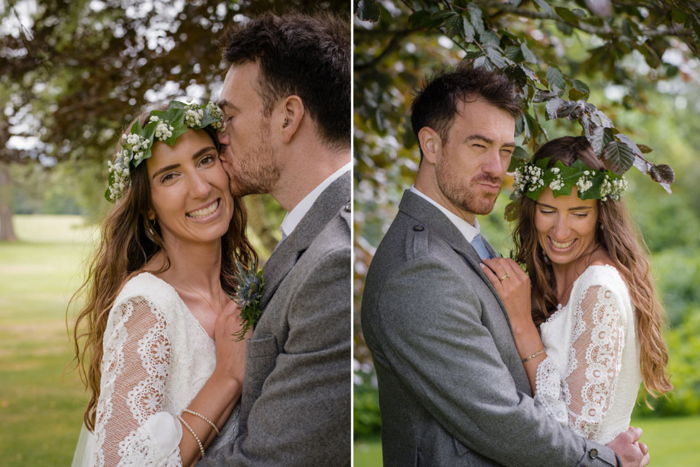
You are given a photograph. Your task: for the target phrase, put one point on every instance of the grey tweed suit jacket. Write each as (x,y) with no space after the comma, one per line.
(452,388)
(295,406)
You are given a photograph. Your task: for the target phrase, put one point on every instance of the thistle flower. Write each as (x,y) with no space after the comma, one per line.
(248,297)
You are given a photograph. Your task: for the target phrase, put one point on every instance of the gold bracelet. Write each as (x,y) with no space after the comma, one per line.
(201,448)
(205,419)
(540,352)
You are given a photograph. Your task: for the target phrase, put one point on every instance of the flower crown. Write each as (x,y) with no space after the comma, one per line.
(163,125)
(531,178)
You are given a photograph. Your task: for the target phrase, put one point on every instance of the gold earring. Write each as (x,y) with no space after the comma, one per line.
(151,226)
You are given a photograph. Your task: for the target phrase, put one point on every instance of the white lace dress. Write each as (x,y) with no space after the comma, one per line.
(156,359)
(591,376)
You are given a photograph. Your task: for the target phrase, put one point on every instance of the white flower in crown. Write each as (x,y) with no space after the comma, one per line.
(193,117)
(558,182)
(216,112)
(584,182)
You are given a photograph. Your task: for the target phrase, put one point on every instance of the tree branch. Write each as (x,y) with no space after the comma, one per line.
(393,44)
(590,29)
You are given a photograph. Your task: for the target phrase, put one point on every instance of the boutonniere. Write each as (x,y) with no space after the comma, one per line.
(248,296)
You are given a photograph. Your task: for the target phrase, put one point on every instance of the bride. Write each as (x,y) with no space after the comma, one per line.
(592,295)
(163,370)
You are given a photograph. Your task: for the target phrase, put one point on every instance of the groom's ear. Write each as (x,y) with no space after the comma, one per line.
(292,115)
(430,144)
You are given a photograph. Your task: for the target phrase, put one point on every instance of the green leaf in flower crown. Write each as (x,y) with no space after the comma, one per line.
(618,157)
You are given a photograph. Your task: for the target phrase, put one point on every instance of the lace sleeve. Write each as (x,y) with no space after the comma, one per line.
(594,362)
(130,428)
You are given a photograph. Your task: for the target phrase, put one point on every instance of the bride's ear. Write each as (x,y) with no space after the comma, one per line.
(292,115)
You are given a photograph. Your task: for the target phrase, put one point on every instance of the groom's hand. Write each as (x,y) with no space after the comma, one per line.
(632,453)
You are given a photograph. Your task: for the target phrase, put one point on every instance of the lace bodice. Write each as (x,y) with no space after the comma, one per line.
(591,376)
(156,359)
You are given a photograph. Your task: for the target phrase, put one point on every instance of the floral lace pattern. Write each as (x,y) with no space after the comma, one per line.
(586,346)
(156,359)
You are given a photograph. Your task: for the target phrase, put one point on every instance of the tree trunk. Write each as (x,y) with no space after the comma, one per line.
(7,230)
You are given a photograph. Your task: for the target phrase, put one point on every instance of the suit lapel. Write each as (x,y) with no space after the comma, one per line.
(423,211)
(288,253)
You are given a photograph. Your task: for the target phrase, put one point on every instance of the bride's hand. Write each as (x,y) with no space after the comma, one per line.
(513,286)
(230,353)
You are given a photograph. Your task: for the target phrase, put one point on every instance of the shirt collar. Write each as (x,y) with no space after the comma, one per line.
(469,231)
(293,217)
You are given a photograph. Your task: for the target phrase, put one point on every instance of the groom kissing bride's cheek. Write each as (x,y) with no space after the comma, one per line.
(465,376)
(193,357)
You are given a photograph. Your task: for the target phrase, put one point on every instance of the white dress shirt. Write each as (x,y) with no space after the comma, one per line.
(293,217)
(469,231)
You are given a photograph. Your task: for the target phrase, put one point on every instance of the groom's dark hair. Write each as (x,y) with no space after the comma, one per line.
(435,105)
(306,56)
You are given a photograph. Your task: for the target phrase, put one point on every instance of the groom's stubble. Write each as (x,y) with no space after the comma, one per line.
(253,170)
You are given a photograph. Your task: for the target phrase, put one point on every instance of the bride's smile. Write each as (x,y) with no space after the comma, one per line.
(190,195)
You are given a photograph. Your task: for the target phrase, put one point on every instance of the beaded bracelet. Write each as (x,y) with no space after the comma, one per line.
(201,448)
(205,419)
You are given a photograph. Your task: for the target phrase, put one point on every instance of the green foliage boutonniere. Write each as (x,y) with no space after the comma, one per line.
(248,296)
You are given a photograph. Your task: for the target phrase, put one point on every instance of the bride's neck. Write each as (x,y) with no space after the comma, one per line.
(198,264)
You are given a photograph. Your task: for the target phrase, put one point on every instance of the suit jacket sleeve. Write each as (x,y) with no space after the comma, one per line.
(434,339)
(302,417)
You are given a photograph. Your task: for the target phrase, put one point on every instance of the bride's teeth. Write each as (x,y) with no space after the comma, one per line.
(562,246)
(204,212)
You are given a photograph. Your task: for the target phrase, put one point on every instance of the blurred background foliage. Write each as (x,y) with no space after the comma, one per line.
(73,74)
(637,62)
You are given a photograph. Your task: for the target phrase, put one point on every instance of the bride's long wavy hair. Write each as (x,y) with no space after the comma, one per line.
(126,246)
(626,248)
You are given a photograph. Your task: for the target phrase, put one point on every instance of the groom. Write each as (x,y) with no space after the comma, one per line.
(286,104)
(452,388)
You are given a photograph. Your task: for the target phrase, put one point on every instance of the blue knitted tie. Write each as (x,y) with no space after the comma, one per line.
(478,244)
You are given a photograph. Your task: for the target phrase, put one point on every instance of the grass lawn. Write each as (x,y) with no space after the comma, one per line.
(673,442)
(40,406)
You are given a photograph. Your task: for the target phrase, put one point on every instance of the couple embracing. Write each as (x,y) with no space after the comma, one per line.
(479,362)
(190,354)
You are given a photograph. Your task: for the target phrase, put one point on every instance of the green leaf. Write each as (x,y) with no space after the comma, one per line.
(497,57)
(579,12)
(514,53)
(580,89)
(367,10)
(452,22)
(618,157)
(530,74)
(575,95)
(520,153)
(650,55)
(679,16)
(566,15)
(422,19)
(468,32)
(544,6)
(645,149)
(555,78)
(489,38)
(527,54)
(475,17)
(484,62)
